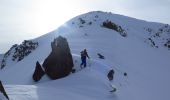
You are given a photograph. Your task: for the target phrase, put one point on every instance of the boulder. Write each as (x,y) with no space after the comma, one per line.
(125,74)
(2,90)
(38,73)
(100,56)
(110,75)
(59,63)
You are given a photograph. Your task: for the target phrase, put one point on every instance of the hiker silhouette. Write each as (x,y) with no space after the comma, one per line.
(84,55)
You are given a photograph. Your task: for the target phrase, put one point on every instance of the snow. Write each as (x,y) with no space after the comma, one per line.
(147,68)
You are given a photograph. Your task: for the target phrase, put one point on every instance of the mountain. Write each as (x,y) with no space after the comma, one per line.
(138,48)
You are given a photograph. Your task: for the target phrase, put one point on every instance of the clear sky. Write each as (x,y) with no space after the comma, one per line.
(26,19)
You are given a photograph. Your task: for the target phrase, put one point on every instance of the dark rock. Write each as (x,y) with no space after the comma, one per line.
(2,90)
(114,90)
(100,56)
(19,52)
(73,70)
(152,43)
(110,75)
(110,25)
(168,46)
(38,73)
(82,21)
(59,63)
(90,23)
(125,74)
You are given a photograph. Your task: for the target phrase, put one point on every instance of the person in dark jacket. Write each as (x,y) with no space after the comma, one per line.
(84,55)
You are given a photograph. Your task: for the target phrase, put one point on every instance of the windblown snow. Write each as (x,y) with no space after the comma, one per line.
(143,53)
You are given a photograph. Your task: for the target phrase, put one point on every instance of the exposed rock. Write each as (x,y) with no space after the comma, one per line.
(167,44)
(82,21)
(110,25)
(38,73)
(18,52)
(125,74)
(110,75)
(152,43)
(2,90)
(24,50)
(100,56)
(89,23)
(59,63)
(73,70)
(159,37)
(6,55)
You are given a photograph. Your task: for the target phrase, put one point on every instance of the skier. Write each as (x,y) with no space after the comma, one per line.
(83,57)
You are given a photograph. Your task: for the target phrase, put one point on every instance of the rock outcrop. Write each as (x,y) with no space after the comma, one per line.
(59,63)
(18,52)
(110,25)
(110,75)
(38,73)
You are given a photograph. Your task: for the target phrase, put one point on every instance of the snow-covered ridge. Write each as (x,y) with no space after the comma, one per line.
(18,52)
(155,34)
(147,67)
(97,19)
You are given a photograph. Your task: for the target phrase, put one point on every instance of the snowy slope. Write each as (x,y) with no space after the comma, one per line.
(147,65)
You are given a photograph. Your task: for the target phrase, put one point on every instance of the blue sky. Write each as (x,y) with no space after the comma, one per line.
(26,19)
